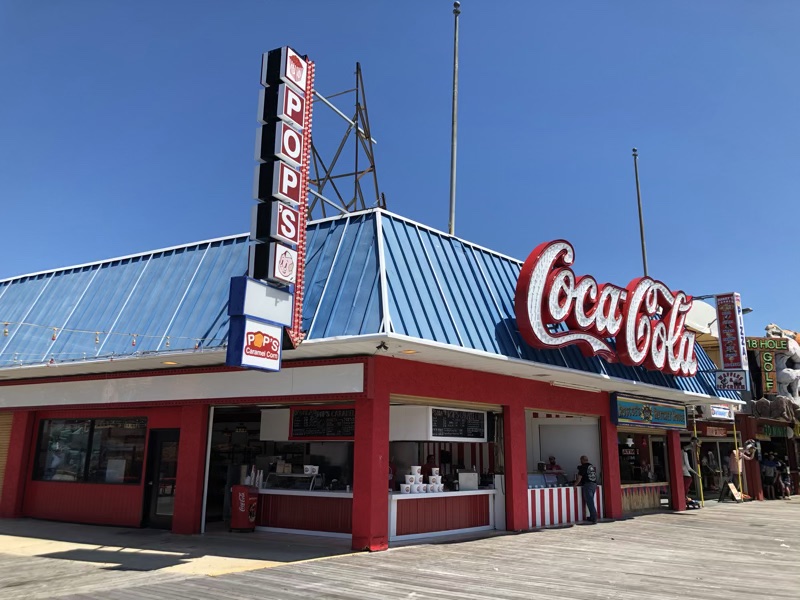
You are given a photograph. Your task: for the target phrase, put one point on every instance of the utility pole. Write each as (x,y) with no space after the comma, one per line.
(454,135)
(639,200)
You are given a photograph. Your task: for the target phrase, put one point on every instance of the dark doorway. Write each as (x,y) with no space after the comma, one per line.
(162,468)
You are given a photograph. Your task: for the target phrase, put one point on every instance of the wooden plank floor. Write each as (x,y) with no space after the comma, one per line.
(722,551)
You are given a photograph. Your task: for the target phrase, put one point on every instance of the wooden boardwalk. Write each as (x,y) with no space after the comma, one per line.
(722,551)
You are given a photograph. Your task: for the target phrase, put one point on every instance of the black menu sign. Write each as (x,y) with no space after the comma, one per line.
(323,423)
(464,424)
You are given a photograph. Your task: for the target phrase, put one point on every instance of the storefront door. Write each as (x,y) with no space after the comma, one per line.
(162,467)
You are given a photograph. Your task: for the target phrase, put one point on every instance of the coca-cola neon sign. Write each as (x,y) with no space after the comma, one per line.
(646,319)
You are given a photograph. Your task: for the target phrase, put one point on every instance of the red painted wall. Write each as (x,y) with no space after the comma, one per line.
(371,463)
(425,515)
(101,504)
(675,463)
(93,503)
(612,482)
(516,467)
(305,512)
(17,464)
(191,469)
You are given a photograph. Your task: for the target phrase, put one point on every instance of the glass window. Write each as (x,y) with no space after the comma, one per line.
(62,451)
(117,450)
(91,450)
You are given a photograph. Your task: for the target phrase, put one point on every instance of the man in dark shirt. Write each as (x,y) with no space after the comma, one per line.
(587,480)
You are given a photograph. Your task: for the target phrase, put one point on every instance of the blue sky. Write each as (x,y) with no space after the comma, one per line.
(126,127)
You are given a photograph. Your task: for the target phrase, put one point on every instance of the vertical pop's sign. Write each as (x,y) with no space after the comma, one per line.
(259,304)
(283,148)
(732,341)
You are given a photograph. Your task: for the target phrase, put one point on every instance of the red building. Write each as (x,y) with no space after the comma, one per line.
(122,412)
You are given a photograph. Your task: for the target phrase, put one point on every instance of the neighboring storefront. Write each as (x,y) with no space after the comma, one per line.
(414,349)
(645,429)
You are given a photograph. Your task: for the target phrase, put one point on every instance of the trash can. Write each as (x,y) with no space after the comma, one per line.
(244,504)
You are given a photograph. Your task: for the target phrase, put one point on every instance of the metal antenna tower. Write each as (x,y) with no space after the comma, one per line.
(329,192)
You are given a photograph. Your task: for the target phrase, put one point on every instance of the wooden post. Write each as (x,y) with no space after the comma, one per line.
(675,463)
(371,463)
(516,467)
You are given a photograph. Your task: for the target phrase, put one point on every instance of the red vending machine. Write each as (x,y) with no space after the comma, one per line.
(244,505)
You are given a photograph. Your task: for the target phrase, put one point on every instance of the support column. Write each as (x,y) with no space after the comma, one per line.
(612,486)
(747,427)
(675,463)
(371,462)
(18,464)
(516,467)
(191,469)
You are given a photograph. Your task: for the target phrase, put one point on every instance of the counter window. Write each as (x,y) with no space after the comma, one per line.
(91,450)
(642,458)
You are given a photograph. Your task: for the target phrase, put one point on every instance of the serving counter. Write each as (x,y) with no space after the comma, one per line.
(553,506)
(426,515)
(638,497)
(310,512)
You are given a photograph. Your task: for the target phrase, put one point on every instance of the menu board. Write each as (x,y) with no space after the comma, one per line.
(461,424)
(323,424)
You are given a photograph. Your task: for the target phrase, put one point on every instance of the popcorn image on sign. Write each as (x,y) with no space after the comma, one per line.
(296,68)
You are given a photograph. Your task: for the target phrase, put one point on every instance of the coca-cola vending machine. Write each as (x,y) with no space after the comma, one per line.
(244,503)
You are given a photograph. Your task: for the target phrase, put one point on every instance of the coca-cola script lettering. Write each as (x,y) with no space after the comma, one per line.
(646,319)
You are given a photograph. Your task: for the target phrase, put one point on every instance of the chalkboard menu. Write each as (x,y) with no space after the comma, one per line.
(465,424)
(320,424)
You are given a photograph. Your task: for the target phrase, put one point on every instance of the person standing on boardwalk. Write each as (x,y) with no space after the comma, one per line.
(587,480)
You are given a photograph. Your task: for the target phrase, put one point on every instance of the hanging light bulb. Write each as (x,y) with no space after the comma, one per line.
(96,337)
(55,332)
(167,341)
(196,344)
(133,341)
(5,329)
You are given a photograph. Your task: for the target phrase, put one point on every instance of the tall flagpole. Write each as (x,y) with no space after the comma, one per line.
(639,200)
(454,135)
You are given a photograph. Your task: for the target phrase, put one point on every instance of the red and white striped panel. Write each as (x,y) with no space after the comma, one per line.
(559,506)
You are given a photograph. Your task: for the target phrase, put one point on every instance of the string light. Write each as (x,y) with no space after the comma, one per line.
(81,353)
(97,333)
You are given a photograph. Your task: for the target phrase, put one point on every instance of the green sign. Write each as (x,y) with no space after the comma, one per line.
(767,344)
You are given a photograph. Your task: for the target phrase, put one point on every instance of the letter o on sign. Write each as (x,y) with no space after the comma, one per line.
(292,144)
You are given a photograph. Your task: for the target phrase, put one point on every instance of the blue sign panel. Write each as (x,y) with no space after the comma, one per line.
(626,410)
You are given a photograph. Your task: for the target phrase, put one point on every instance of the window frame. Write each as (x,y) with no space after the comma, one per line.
(39,469)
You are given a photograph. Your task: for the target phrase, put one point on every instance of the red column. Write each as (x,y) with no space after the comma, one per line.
(748,428)
(191,469)
(516,467)
(675,463)
(17,464)
(371,464)
(609,452)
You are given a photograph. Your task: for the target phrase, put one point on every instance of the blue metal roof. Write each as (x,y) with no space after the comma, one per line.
(164,300)
(433,287)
